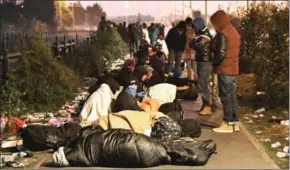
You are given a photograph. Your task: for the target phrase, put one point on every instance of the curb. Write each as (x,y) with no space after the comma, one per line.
(260,148)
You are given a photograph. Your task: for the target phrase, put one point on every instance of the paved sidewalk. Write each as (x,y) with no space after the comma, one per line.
(234,151)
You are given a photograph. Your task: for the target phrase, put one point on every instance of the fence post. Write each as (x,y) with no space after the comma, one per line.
(64,48)
(56,47)
(77,39)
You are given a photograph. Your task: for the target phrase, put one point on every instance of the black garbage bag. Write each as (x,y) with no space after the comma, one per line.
(113,148)
(190,127)
(189,152)
(174,110)
(41,137)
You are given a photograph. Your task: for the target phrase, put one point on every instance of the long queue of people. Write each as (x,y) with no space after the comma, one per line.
(211,61)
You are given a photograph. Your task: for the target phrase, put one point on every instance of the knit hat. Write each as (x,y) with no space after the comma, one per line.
(220,19)
(199,24)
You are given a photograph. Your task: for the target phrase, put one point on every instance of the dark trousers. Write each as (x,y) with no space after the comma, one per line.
(204,69)
(227,86)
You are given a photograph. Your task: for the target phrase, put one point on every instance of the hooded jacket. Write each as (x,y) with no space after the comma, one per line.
(226,46)
(175,41)
(201,44)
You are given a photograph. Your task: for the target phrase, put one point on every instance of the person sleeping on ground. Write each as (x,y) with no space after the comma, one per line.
(126,100)
(98,104)
(142,74)
(167,93)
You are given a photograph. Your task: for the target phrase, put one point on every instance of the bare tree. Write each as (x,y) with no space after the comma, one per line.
(94,14)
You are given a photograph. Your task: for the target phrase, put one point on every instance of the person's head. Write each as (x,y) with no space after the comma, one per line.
(124,23)
(220,20)
(152,24)
(149,73)
(161,55)
(198,24)
(144,25)
(142,56)
(141,73)
(158,46)
(130,65)
(161,36)
(173,24)
(188,21)
(103,18)
(181,26)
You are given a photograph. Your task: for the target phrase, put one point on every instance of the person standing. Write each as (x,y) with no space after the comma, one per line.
(226,48)
(136,38)
(155,34)
(175,41)
(189,53)
(201,44)
(145,32)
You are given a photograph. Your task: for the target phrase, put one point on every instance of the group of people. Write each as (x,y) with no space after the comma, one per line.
(211,62)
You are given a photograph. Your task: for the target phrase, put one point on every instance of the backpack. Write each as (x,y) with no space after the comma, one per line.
(166,129)
(174,110)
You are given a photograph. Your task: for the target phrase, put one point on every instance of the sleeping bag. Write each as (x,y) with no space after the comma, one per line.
(41,137)
(126,149)
(113,148)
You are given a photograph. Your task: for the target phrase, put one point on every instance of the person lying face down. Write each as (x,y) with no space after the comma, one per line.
(98,104)
(126,99)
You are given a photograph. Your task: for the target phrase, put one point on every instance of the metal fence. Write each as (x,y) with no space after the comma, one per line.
(11,45)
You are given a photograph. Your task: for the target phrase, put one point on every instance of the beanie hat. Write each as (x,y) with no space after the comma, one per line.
(199,24)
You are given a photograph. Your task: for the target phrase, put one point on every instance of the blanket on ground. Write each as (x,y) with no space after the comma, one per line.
(164,93)
(151,105)
(98,104)
(137,121)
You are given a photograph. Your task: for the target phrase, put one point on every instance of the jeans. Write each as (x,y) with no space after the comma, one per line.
(177,57)
(228,94)
(191,69)
(204,69)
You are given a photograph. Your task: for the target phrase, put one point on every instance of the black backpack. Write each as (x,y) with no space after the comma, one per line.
(174,110)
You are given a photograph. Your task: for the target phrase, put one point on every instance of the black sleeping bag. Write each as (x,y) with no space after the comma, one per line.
(116,148)
(41,137)
(126,149)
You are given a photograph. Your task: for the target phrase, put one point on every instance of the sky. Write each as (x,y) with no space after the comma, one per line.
(156,8)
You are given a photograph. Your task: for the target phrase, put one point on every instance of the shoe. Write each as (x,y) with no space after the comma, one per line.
(236,127)
(227,128)
(206,111)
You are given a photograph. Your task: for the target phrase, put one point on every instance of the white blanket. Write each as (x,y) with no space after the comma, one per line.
(164,93)
(98,104)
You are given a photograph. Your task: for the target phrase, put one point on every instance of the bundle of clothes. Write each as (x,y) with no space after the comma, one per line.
(132,118)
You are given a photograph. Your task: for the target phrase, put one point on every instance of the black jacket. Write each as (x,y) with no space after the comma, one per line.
(125,101)
(175,41)
(219,48)
(202,45)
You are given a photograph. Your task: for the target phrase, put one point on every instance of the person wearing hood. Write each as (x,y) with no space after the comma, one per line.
(226,49)
(175,41)
(201,44)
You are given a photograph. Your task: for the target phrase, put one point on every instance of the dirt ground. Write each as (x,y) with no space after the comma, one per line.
(266,132)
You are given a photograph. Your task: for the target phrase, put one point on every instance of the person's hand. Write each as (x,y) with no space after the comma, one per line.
(166,75)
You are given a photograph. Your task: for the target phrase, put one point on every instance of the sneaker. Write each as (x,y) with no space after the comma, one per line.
(236,127)
(227,128)
(206,111)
